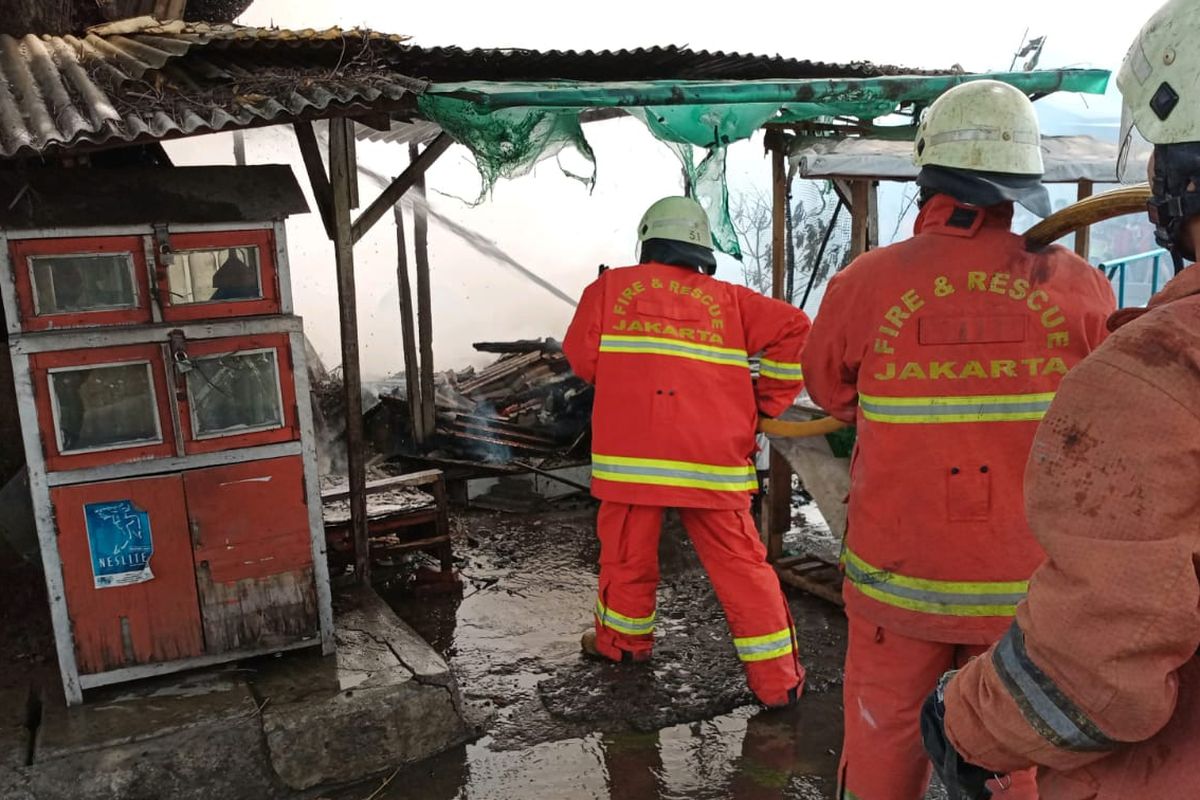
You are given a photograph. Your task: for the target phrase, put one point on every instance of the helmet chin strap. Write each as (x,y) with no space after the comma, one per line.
(1175,197)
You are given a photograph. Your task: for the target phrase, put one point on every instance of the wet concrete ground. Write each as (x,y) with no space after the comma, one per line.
(554,725)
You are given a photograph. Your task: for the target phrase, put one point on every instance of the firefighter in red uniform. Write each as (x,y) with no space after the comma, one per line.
(945,350)
(667,348)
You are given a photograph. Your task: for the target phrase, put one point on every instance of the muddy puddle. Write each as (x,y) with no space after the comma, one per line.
(555,725)
(552,724)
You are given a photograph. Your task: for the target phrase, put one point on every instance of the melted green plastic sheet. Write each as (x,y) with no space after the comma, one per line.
(509,142)
(510,126)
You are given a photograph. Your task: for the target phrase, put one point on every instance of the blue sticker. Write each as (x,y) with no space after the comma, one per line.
(119,539)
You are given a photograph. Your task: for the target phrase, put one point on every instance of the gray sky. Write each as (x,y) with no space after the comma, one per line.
(931,33)
(550,222)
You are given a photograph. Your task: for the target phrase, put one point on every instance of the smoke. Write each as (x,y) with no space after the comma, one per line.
(475,240)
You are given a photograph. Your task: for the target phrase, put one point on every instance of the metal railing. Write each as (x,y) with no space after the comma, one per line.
(1118,268)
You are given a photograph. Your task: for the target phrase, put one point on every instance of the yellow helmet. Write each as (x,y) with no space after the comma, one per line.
(1162,111)
(1158,77)
(678,219)
(982,126)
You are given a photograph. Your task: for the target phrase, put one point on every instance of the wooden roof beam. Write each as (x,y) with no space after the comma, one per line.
(317,177)
(407,179)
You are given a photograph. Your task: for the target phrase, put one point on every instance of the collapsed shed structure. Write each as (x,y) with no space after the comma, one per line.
(109,98)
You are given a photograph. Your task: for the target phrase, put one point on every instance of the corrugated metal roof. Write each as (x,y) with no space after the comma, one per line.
(450,64)
(142,80)
(138,80)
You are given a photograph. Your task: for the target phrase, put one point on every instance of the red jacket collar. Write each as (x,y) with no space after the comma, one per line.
(1185,284)
(946,216)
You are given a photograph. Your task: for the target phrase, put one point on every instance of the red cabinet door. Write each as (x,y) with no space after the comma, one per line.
(240,392)
(219,274)
(253,553)
(103,405)
(128,572)
(97,280)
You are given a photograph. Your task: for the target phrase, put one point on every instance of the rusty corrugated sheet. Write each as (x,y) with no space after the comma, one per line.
(137,80)
(449,64)
(141,80)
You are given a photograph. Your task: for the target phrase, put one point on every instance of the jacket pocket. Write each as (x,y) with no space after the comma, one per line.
(663,408)
(968,493)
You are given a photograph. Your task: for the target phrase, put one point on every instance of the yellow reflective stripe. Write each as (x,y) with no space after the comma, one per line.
(620,339)
(687,483)
(764,648)
(780,370)
(691,466)
(664,472)
(950,598)
(633,626)
(961,399)
(655,345)
(962,408)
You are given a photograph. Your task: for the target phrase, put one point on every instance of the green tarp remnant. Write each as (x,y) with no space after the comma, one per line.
(508,142)
(712,128)
(510,126)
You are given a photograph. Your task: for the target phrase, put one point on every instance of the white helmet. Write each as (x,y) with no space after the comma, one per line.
(982,126)
(1162,109)
(678,219)
(1158,84)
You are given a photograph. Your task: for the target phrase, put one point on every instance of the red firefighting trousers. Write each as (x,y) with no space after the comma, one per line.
(730,550)
(888,677)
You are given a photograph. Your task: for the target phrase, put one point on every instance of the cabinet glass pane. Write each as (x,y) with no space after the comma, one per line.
(217,275)
(72,283)
(104,407)
(235,393)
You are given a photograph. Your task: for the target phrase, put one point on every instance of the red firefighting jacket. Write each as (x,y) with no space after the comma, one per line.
(1098,679)
(675,412)
(945,350)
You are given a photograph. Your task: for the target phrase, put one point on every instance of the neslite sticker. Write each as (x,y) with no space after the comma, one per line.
(120,542)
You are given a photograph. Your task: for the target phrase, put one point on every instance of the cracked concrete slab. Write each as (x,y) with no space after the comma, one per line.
(160,739)
(386,700)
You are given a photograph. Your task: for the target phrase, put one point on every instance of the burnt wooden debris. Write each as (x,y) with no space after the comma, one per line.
(405,513)
(526,406)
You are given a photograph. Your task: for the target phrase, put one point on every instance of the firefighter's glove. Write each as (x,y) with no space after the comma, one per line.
(963,781)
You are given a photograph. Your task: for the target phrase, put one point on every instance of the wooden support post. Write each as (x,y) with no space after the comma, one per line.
(873,215)
(408,336)
(779,497)
(340,171)
(392,194)
(841,187)
(1083,236)
(317,179)
(239,148)
(864,217)
(424,296)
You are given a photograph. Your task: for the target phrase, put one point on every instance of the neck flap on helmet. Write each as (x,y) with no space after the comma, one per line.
(679,254)
(986,188)
(1175,197)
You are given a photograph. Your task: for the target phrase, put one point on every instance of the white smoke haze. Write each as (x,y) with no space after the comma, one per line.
(549,223)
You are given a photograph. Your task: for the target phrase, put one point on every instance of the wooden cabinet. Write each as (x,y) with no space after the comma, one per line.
(165,417)
(128,571)
(202,562)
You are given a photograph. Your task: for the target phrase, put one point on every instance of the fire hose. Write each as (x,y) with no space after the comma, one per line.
(1090,211)
(790,429)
